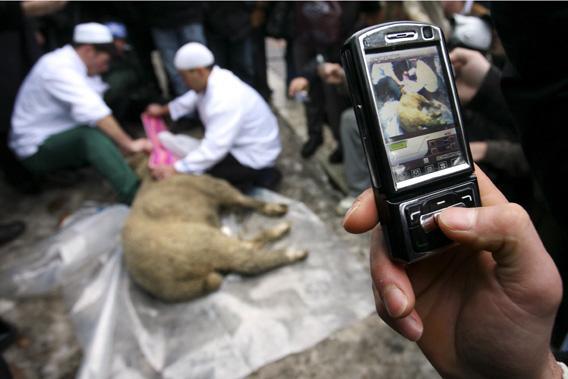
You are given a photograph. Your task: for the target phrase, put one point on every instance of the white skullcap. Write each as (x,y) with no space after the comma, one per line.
(92,33)
(193,55)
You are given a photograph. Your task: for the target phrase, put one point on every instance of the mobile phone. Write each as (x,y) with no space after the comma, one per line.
(408,113)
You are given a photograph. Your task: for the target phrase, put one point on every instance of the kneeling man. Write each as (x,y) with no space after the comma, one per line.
(61,121)
(241,140)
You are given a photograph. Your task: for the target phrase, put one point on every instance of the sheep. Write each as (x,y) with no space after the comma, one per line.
(415,111)
(172,241)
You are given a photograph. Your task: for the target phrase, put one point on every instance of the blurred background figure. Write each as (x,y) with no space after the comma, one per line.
(60,120)
(128,91)
(173,24)
(229,26)
(241,142)
(320,29)
(20,50)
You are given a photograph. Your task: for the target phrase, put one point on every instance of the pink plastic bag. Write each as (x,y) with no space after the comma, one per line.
(160,156)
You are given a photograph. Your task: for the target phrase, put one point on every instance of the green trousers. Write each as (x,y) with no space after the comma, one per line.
(83,146)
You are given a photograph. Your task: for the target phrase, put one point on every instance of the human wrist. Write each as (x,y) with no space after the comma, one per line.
(127,145)
(164,110)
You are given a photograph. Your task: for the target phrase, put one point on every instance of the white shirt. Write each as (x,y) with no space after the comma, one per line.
(57,95)
(237,121)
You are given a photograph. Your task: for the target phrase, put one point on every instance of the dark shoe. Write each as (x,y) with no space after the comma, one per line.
(336,156)
(24,183)
(7,336)
(4,369)
(11,231)
(311,146)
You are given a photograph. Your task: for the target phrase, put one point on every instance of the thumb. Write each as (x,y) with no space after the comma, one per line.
(522,263)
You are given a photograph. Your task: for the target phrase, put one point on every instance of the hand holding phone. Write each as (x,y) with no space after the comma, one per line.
(463,306)
(407,110)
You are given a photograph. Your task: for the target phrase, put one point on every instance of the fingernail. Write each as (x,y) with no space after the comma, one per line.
(394,300)
(353,208)
(458,218)
(415,329)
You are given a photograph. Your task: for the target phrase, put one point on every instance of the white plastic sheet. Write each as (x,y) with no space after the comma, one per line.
(248,323)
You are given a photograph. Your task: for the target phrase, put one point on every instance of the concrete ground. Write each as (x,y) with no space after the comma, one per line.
(46,347)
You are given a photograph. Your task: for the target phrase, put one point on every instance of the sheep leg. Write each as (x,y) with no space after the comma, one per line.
(271,234)
(184,290)
(248,260)
(229,196)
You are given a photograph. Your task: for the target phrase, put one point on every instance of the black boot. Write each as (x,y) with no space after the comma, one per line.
(311,146)
(7,335)
(10,231)
(336,156)
(4,369)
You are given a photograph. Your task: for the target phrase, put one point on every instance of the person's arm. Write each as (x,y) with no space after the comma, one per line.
(13,12)
(484,308)
(220,132)
(309,70)
(298,84)
(470,68)
(182,105)
(501,154)
(87,107)
(331,73)
(34,8)
(157,110)
(111,128)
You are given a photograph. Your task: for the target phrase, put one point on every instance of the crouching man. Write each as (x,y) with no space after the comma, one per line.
(241,140)
(61,121)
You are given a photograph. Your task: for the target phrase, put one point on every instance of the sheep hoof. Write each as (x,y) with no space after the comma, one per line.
(296,255)
(281,229)
(271,209)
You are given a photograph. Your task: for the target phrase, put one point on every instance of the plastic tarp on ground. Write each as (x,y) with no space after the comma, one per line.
(248,323)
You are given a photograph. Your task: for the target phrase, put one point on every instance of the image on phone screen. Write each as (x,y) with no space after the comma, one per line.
(417,120)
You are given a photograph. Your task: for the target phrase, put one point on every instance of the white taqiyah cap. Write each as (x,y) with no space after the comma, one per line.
(92,33)
(193,55)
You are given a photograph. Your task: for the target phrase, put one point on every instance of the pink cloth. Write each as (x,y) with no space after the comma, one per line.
(160,155)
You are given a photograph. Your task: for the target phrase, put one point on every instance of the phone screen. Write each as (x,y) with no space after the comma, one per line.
(416,117)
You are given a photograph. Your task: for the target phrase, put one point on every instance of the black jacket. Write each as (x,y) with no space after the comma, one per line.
(171,14)
(19,52)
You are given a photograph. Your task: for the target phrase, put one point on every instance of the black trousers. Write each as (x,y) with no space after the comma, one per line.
(244,177)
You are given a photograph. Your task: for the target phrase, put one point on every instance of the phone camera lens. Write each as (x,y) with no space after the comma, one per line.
(427,32)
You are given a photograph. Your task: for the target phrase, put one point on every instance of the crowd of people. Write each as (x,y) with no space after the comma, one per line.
(77,76)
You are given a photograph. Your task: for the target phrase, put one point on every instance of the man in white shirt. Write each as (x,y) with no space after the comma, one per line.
(61,121)
(241,142)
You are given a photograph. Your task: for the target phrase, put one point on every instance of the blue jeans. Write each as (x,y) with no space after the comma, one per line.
(235,56)
(168,41)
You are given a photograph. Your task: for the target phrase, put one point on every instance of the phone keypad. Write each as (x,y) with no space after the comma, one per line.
(423,235)
(466,196)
